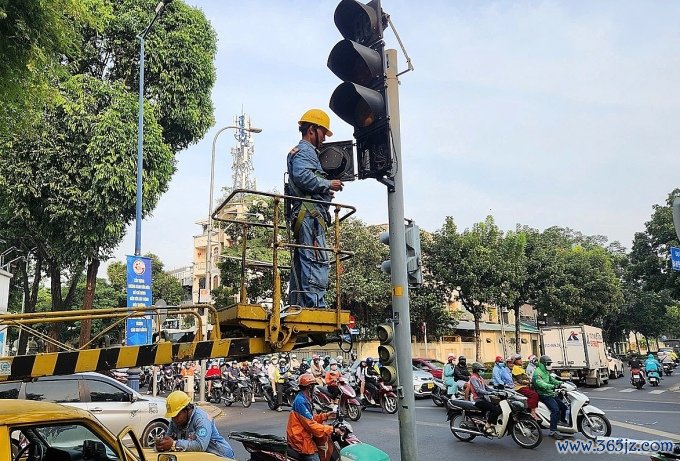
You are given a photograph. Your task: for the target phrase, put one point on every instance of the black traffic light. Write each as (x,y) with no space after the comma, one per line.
(359,61)
(337,160)
(413,255)
(387,354)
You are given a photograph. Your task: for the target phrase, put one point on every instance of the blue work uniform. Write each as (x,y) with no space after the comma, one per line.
(199,434)
(306,178)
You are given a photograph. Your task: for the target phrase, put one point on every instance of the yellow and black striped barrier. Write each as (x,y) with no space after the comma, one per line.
(25,367)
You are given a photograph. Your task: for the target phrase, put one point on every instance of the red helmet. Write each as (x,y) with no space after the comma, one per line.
(306,379)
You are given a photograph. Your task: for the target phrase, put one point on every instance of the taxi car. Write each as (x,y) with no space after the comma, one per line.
(46,431)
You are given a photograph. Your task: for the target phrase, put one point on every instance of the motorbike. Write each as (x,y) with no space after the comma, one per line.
(667,368)
(466,421)
(260,382)
(585,418)
(439,394)
(653,377)
(385,398)
(264,447)
(348,404)
(240,391)
(288,393)
(637,378)
(216,390)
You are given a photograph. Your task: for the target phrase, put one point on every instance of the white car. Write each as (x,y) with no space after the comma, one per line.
(423,383)
(114,404)
(615,366)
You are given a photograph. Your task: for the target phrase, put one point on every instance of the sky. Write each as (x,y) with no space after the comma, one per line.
(543,113)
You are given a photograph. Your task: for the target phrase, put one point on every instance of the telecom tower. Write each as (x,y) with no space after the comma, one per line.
(242,168)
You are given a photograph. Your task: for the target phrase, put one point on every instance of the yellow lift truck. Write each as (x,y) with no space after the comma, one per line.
(240,330)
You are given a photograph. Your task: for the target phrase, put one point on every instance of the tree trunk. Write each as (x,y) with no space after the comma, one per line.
(57,302)
(637,343)
(518,339)
(647,342)
(478,340)
(88,302)
(30,296)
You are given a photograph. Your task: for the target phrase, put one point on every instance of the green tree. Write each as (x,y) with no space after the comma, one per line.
(70,185)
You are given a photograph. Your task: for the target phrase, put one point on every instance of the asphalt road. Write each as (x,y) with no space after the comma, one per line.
(647,414)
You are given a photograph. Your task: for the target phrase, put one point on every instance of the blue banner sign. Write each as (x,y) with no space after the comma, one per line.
(138,330)
(675,258)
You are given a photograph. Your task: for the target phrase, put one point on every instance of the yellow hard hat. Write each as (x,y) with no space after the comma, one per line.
(175,403)
(317,117)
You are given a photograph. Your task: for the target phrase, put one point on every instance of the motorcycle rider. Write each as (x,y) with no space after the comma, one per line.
(653,365)
(461,374)
(481,392)
(212,374)
(447,375)
(317,370)
(499,376)
(294,362)
(545,387)
(331,380)
(191,429)
(303,425)
(372,377)
(522,382)
(361,377)
(531,366)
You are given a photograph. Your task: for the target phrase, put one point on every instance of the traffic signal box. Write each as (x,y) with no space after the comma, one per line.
(413,255)
(387,354)
(359,60)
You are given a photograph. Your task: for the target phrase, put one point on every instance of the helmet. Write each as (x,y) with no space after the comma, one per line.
(333,362)
(317,117)
(275,360)
(283,360)
(450,357)
(340,358)
(294,356)
(498,359)
(462,359)
(477,367)
(306,379)
(532,358)
(369,361)
(304,366)
(545,360)
(256,361)
(175,403)
(515,357)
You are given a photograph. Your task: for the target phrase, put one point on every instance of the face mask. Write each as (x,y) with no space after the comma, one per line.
(502,365)
(548,366)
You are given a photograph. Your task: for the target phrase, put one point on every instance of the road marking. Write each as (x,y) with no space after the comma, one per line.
(601,389)
(634,400)
(628,390)
(646,430)
(658,391)
(427,423)
(674,412)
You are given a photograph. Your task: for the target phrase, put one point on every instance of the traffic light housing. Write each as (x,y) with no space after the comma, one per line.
(387,354)
(359,60)
(337,160)
(413,257)
(414,265)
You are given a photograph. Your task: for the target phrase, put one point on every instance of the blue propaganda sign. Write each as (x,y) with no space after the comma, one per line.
(138,330)
(675,258)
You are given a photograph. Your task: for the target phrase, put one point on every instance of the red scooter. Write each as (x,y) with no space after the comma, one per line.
(348,404)
(637,378)
(385,398)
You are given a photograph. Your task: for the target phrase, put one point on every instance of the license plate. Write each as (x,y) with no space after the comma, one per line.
(636,376)
(565,374)
(430,385)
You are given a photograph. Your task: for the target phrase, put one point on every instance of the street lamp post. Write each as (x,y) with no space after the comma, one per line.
(140,128)
(208,247)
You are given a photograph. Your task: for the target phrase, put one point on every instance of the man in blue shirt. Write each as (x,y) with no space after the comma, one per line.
(308,220)
(500,375)
(191,429)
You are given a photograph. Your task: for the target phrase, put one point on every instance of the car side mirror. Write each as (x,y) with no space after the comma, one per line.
(133,398)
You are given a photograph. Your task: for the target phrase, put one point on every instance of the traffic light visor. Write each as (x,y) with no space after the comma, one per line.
(385,333)
(356,105)
(358,22)
(356,63)
(386,354)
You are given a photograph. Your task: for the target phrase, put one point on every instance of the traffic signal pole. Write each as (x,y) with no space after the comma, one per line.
(400,299)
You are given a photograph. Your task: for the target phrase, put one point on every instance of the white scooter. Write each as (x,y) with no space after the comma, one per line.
(584,418)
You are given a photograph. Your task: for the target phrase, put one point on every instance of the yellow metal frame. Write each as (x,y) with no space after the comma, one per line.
(281,326)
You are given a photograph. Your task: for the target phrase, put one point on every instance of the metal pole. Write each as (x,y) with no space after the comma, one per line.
(400,302)
(425,334)
(140,151)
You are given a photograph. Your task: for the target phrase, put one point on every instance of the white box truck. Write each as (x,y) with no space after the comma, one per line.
(578,353)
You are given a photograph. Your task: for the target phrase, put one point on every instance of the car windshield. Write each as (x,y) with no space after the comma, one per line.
(56,441)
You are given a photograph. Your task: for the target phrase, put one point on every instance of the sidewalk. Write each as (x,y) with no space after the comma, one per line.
(212,410)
